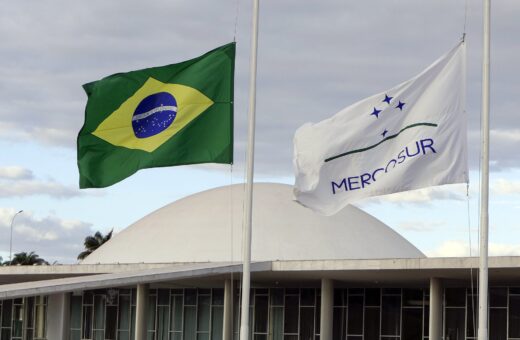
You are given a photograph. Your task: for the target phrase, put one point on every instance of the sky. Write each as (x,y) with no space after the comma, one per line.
(314,59)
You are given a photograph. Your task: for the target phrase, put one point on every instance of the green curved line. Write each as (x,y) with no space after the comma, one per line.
(384,140)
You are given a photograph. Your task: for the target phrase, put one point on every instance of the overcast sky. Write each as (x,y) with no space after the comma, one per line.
(314,59)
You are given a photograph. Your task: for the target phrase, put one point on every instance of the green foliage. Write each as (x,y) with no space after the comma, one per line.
(26,259)
(92,243)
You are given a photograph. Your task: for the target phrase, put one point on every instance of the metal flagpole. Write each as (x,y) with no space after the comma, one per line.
(246,242)
(484,181)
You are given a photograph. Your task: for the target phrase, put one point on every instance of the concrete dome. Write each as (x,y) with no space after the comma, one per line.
(202,228)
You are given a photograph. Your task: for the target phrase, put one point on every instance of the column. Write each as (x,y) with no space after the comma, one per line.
(435,309)
(58,316)
(227,327)
(140,311)
(327,303)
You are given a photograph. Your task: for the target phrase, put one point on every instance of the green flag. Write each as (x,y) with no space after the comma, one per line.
(162,116)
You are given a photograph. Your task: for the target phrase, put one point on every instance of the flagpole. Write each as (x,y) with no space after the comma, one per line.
(484,181)
(246,242)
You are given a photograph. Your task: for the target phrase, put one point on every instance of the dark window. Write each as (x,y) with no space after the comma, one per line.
(373,297)
(111,322)
(355,315)
(306,323)
(412,323)
(498,323)
(164,296)
(391,315)
(277,296)
(412,297)
(307,297)
(218,297)
(498,297)
(291,314)
(372,323)
(455,297)
(472,317)
(514,316)
(454,324)
(338,297)
(338,323)
(261,308)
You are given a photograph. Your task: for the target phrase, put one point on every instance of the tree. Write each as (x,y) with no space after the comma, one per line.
(94,242)
(26,259)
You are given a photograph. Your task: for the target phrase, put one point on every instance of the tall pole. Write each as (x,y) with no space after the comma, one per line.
(484,184)
(246,277)
(11,238)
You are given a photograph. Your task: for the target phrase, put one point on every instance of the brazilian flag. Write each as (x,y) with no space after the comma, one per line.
(162,116)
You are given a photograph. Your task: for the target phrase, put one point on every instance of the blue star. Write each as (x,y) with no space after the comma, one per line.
(376,112)
(400,105)
(387,99)
(384,133)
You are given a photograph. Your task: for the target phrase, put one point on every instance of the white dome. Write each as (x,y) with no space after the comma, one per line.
(202,228)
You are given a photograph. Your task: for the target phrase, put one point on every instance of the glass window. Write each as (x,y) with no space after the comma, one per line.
(373,297)
(176,313)
(29,312)
(163,297)
(472,317)
(218,297)
(203,313)
(412,297)
(338,297)
(99,311)
(498,323)
(75,312)
(372,323)
(514,316)
(426,322)
(190,322)
(276,323)
(162,323)
(277,297)
(454,324)
(498,297)
(17,321)
(87,322)
(261,313)
(291,314)
(190,297)
(6,313)
(455,297)
(355,315)
(124,312)
(338,323)
(307,297)
(151,308)
(391,315)
(111,322)
(306,322)
(217,321)
(412,323)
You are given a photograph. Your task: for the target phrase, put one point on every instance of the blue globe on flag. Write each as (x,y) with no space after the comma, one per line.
(154,114)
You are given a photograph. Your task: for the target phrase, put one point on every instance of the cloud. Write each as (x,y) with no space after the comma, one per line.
(51,237)
(457,248)
(505,187)
(16,181)
(15,173)
(310,64)
(420,226)
(36,187)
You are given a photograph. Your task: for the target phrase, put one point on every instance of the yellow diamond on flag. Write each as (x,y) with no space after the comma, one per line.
(143,122)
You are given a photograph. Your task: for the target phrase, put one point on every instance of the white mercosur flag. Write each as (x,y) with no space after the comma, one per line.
(409,137)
